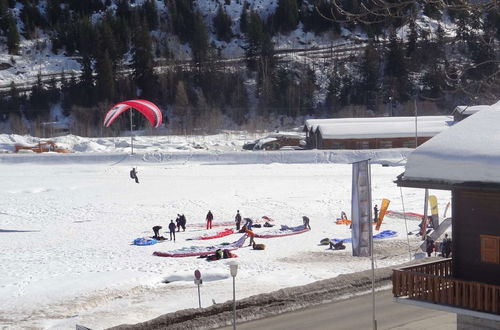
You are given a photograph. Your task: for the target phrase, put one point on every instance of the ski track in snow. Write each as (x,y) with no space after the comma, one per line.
(67,254)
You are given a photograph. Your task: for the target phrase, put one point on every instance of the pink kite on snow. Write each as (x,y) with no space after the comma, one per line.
(148,109)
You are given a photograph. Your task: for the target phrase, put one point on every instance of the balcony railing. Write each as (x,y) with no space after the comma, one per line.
(433,283)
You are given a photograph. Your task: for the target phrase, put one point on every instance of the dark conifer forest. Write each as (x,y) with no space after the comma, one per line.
(370,58)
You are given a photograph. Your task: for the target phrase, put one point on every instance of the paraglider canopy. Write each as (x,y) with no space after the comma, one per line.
(148,109)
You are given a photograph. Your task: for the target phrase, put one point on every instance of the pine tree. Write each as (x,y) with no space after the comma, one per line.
(244,18)
(151,13)
(181,106)
(199,41)
(12,36)
(411,46)
(4,16)
(286,16)
(105,81)
(142,63)
(370,72)
(222,24)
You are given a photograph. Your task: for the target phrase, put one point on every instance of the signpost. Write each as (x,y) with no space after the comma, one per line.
(198,281)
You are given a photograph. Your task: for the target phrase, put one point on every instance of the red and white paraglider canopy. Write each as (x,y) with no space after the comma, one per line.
(148,109)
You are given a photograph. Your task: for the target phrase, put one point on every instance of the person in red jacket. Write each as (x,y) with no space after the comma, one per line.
(250,234)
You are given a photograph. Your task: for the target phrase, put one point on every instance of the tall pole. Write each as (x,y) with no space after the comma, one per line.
(199,296)
(234,303)
(374,321)
(416,116)
(131,134)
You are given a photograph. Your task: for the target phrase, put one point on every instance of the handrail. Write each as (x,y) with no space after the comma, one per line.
(433,282)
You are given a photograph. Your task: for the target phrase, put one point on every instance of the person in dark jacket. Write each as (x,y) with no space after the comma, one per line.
(156,230)
(306,222)
(171,227)
(446,247)
(429,244)
(375,213)
(209,218)
(183,222)
(133,175)
(178,222)
(237,220)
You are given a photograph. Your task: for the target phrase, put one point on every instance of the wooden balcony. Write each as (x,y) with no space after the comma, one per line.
(434,283)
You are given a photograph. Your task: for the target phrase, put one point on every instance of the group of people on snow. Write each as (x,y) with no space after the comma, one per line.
(444,246)
(179,222)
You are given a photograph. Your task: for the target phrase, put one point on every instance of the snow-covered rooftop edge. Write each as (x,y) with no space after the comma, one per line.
(467,152)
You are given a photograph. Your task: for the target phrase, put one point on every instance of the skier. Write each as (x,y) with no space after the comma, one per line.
(375,213)
(306,222)
(171,227)
(237,219)
(133,175)
(209,219)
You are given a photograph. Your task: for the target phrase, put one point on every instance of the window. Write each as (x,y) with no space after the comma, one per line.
(490,249)
(363,144)
(337,145)
(409,144)
(384,144)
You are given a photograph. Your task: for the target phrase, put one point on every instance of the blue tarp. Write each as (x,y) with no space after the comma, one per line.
(144,241)
(382,234)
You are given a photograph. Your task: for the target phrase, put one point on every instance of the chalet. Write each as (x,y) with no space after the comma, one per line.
(464,159)
(373,133)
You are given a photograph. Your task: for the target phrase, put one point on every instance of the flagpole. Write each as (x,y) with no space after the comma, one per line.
(131,134)
(374,321)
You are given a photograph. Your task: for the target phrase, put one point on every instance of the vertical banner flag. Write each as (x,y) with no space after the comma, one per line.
(423,225)
(434,211)
(361,206)
(383,210)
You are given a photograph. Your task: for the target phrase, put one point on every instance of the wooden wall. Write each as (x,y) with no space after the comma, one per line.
(475,213)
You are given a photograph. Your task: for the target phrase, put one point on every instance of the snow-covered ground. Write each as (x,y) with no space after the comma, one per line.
(67,223)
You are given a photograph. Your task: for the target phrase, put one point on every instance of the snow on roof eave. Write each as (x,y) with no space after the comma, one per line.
(466,152)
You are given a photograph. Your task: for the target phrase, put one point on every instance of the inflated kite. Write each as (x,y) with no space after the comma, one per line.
(148,109)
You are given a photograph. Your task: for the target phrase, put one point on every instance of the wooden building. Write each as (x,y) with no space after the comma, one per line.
(373,133)
(466,161)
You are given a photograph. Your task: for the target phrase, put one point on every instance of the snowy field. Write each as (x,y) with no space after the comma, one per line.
(67,225)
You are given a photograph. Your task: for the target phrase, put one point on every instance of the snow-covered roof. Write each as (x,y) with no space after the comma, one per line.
(467,152)
(314,123)
(469,110)
(385,127)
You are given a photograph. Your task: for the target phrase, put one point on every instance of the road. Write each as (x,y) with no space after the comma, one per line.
(356,313)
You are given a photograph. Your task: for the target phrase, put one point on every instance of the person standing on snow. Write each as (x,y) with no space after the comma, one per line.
(133,175)
(429,243)
(446,246)
(178,222)
(237,219)
(209,219)
(171,227)
(375,213)
(183,222)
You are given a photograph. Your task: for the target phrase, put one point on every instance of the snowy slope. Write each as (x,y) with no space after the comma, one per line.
(67,228)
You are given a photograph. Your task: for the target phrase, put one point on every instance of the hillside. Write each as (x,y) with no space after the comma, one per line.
(236,64)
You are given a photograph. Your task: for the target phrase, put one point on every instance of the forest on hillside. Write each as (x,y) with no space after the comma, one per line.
(124,52)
